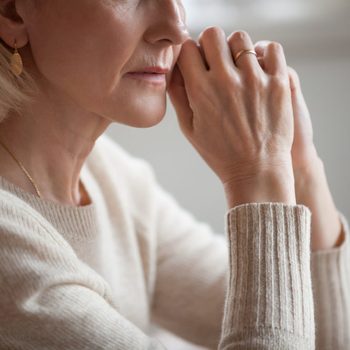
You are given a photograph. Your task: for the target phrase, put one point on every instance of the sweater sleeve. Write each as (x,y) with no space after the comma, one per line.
(330,271)
(269,303)
(49,299)
(248,290)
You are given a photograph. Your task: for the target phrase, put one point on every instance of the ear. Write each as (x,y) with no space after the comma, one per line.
(12,26)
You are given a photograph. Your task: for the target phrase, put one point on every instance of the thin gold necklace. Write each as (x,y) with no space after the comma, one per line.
(23,168)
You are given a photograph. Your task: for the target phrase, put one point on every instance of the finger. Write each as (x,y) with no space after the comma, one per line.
(260,47)
(191,64)
(178,96)
(294,80)
(303,130)
(215,49)
(261,62)
(201,50)
(273,57)
(239,41)
(298,100)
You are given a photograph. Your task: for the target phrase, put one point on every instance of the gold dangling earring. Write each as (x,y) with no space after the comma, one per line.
(16,62)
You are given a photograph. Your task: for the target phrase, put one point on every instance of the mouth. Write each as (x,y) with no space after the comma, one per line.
(151,75)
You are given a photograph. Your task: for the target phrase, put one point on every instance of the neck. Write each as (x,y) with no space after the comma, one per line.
(53,147)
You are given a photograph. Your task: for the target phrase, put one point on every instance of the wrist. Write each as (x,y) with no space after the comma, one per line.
(311,175)
(305,162)
(311,189)
(262,184)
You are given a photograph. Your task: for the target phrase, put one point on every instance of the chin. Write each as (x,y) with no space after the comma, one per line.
(144,113)
(143,121)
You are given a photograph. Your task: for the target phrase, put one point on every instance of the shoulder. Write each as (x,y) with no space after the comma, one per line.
(32,252)
(12,207)
(21,222)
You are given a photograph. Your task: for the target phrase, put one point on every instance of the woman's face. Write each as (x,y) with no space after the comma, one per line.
(87,49)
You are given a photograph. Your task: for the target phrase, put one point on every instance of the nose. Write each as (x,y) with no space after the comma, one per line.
(168,23)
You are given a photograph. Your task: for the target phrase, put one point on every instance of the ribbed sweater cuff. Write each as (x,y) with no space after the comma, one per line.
(331,284)
(269,299)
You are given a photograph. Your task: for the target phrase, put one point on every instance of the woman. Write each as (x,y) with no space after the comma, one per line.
(92,249)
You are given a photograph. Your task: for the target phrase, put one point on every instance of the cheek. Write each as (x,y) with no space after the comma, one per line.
(82,55)
(87,56)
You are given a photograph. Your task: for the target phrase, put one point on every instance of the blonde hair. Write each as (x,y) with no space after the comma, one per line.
(14,91)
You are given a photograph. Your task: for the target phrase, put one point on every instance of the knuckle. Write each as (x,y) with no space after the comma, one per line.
(239,35)
(230,83)
(275,46)
(262,43)
(211,32)
(225,74)
(188,44)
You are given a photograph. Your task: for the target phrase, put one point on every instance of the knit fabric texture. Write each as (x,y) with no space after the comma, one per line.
(97,276)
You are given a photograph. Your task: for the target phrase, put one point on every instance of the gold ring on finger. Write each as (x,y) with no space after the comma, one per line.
(244,52)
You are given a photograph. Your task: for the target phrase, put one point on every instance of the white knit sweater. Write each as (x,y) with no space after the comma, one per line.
(94,277)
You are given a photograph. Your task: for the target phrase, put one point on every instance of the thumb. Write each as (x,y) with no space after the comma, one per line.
(178,95)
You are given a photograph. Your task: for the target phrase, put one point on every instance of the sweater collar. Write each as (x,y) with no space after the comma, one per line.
(74,223)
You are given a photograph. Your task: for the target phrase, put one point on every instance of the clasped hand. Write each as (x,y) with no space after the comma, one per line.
(242,117)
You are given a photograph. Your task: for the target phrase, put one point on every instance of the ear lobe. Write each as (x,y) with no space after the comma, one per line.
(11,24)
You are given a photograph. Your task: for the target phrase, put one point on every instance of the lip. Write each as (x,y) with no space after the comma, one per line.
(153,75)
(154,70)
